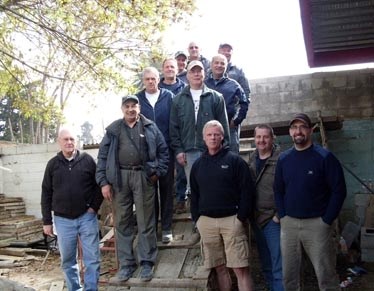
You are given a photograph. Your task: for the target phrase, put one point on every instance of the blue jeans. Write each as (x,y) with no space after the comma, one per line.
(180,183)
(268,245)
(85,227)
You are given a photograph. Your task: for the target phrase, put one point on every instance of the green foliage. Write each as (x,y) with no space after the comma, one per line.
(77,48)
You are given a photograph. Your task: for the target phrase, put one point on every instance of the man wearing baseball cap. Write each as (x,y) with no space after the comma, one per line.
(181,58)
(190,110)
(233,71)
(132,156)
(309,190)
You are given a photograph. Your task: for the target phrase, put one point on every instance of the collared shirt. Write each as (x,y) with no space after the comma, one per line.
(128,154)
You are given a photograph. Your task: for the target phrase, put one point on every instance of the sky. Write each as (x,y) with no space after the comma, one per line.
(266,36)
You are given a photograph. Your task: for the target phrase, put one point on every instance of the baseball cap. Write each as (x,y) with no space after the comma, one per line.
(225,44)
(130,98)
(195,63)
(303,118)
(180,53)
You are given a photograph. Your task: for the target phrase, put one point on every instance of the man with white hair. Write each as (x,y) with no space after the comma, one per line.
(69,189)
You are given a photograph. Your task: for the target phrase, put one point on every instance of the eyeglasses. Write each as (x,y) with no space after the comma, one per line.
(193,47)
(66,139)
(300,127)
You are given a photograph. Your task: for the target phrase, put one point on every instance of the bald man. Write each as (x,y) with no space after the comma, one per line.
(69,189)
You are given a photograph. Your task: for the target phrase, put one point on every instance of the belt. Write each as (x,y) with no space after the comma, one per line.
(132,168)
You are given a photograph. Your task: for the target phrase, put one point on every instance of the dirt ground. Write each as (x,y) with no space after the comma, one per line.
(41,276)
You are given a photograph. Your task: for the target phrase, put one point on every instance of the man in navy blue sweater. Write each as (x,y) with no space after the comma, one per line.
(309,191)
(221,194)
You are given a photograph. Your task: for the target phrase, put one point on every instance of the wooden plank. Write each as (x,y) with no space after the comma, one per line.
(57,286)
(109,235)
(12,252)
(169,263)
(192,263)
(163,283)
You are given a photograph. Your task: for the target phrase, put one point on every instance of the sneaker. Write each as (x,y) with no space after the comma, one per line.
(180,208)
(146,273)
(167,236)
(123,274)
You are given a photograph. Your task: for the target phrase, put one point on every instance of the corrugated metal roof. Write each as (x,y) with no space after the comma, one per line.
(343,24)
(338,32)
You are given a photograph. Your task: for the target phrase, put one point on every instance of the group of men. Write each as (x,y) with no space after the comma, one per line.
(188,121)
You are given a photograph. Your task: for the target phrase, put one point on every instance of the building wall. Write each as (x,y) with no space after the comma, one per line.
(345,93)
(27,163)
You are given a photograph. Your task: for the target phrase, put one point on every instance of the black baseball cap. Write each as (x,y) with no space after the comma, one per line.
(222,45)
(303,118)
(130,98)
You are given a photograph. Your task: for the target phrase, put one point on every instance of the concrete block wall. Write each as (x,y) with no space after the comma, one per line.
(27,164)
(345,93)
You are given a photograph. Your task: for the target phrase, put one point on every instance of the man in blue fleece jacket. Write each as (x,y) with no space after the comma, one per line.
(221,193)
(309,191)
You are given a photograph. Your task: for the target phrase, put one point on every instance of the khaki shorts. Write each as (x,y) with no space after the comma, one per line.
(223,241)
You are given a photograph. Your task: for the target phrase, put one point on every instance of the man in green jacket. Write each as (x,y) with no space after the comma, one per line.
(190,110)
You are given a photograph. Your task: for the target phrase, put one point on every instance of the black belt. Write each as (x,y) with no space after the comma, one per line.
(132,168)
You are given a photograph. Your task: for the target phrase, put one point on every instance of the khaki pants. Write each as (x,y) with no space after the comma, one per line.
(316,237)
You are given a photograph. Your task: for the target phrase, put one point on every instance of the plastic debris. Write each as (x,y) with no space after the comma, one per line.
(346,283)
(357,271)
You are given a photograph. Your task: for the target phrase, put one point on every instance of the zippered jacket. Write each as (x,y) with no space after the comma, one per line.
(185,133)
(155,157)
(235,99)
(265,207)
(69,187)
(160,114)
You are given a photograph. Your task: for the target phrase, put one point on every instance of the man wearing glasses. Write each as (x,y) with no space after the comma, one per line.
(309,191)
(71,199)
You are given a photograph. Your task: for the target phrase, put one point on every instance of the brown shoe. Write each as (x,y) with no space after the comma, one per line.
(180,208)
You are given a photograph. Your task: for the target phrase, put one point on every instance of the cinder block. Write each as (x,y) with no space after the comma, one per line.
(367,238)
(367,255)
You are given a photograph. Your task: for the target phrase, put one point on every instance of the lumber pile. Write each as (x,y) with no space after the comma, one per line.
(15,225)
(11,207)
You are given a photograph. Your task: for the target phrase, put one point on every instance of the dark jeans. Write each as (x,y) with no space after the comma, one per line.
(180,183)
(164,196)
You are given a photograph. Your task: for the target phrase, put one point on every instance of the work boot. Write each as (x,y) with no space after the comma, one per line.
(124,274)
(146,273)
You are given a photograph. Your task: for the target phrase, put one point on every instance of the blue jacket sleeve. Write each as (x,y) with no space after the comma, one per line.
(336,183)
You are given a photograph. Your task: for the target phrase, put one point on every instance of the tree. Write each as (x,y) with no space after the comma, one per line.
(86,129)
(72,48)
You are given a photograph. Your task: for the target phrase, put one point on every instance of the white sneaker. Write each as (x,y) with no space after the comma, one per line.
(167,236)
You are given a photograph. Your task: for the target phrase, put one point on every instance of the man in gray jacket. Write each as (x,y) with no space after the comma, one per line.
(132,156)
